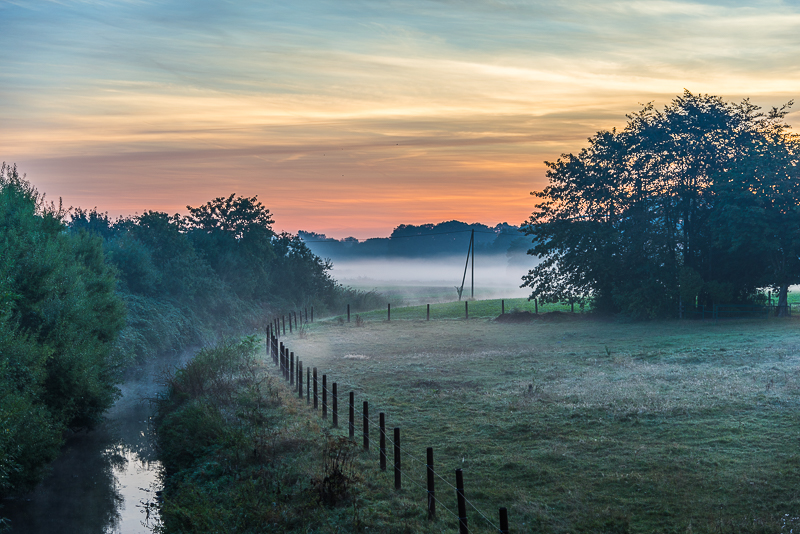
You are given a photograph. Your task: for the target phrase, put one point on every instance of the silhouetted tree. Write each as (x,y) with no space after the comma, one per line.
(633,222)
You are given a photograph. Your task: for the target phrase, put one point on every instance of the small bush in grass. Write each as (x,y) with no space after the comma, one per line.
(338,474)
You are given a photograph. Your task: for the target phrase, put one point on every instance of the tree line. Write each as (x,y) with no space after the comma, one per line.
(83,297)
(449,238)
(690,206)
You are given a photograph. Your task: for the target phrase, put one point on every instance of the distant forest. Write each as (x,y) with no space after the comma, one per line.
(450,238)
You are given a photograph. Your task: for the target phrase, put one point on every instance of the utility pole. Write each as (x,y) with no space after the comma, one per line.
(470,253)
(472,246)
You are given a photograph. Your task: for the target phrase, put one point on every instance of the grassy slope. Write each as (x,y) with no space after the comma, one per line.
(584,426)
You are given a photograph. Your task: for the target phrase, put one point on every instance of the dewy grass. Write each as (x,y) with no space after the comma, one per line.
(583,425)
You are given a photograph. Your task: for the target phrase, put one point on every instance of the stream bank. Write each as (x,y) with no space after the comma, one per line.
(105,481)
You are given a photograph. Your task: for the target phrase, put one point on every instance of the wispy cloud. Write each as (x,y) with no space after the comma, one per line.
(423,97)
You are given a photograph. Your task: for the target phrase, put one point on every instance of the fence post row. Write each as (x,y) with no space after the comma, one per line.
(286,360)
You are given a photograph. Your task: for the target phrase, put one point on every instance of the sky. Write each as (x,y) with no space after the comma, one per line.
(351,117)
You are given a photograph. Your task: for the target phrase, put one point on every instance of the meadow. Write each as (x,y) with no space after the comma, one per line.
(574,424)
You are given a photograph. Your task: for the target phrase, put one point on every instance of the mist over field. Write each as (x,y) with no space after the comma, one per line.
(433,279)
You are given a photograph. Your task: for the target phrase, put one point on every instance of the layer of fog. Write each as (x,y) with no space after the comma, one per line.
(418,279)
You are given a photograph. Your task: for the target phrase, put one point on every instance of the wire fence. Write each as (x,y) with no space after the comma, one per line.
(291,369)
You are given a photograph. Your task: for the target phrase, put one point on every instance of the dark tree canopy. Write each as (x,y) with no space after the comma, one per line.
(695,204)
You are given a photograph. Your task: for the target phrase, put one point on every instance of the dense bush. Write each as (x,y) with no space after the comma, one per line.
(59,321)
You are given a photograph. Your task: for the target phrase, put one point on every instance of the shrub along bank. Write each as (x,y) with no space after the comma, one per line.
(241,454)
(59,320)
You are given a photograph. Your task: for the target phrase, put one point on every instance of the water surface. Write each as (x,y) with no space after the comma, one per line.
(105,481)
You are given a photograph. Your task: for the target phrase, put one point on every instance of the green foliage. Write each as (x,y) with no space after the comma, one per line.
(234,235)
(692,194)
(59,323)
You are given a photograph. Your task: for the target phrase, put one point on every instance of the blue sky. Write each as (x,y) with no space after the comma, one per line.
(352,117)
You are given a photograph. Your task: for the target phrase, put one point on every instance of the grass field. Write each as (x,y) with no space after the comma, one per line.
(575,424)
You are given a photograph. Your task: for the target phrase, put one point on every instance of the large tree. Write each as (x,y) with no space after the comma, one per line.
(632,222)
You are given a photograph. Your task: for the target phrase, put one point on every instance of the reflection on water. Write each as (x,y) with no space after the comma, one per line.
(105,481)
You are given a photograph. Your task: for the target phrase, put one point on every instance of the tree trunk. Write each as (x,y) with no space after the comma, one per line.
(783,301)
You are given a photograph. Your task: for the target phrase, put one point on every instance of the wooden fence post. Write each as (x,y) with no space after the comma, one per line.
(429,313)
(315,388)
(388,312)
(291,368)
(366,426)
(462,505)
(502,307)
(312,314)
(335,407)
(290,322)
(300,379)
(382,423)
(283,317)
(324,396)
(466,309)
(308,385)
(397,458)
(352,416)
(536,306)
(431,491)
(503,521)
(348,313)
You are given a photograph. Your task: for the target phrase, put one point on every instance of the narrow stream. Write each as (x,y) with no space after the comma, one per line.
(104,479)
